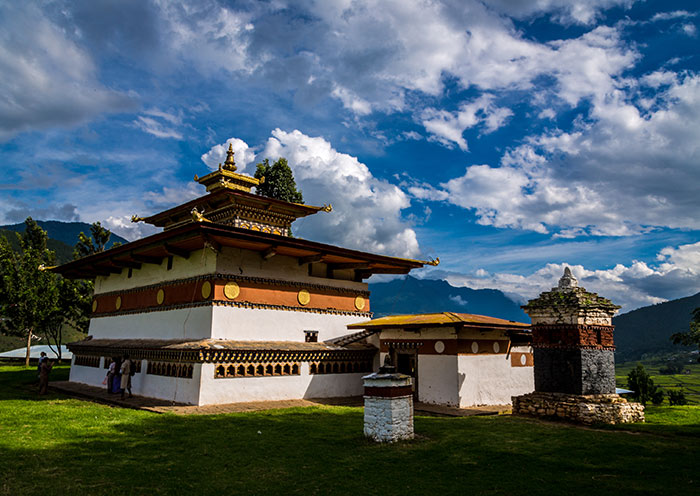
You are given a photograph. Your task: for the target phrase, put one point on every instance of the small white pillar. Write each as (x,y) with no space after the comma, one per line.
(388,407)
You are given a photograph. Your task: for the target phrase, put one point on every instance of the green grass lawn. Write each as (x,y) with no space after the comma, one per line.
(58,445)
(690,383)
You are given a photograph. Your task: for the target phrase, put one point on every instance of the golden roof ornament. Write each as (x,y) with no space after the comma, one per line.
(229,164)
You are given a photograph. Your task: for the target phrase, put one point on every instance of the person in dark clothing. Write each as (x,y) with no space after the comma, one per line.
(44,370)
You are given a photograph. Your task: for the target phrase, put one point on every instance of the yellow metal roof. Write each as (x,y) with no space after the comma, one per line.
(438,319)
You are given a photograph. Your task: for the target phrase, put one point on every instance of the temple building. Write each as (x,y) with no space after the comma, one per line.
(225,306)
(458,359)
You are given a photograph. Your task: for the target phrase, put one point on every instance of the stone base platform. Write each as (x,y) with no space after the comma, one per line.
(585,409)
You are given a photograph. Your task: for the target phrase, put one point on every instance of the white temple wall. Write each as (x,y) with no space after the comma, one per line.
(178,389)
(491,380)
(255,324)
(438,379)
(92,376)
(235,260)
(189,323)
(199,262)
(305,385)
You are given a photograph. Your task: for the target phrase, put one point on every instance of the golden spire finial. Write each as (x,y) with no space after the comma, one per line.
(230,164)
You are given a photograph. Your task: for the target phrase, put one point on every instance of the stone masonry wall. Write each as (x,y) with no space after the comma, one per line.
(588,409)
(389,419)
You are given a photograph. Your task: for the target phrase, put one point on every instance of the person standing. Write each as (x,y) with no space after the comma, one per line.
(44,370)
(42,359)
(111,371)
(126,375)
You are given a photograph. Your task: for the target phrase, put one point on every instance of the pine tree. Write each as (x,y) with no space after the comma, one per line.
(277,181)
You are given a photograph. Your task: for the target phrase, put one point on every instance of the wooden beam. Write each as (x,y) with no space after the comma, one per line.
(345,266)
(311,259)
(174,250)
(147,259)
(392,270)
(109,268)
(126,263)
(269,253)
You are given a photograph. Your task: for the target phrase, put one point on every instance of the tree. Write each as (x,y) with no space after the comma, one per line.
(88,245)
(691,337)
(643,386)
(677,397)
(277,181)
(34,301)
(27,294)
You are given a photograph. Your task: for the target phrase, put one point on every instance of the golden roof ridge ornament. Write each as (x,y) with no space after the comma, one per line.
(197,216)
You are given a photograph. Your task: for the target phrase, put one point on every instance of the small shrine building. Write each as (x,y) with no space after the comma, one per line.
(457,359)
(225,306)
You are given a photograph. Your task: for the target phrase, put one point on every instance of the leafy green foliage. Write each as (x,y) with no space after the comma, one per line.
(639,381)
(88,245)
(278,181)
(692,337)
(677,397)
(34,301)
(672,368)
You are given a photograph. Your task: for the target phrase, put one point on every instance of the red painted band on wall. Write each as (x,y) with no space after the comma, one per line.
(388,392)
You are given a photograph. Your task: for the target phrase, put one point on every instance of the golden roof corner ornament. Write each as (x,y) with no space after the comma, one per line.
(136,218)
(327,207)
(196,178)
(229,164)
(434,263)
(197,216)
(43,267)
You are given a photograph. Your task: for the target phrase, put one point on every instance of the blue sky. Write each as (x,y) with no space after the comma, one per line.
(507,137)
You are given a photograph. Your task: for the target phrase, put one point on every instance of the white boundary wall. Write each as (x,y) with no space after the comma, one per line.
(491,380)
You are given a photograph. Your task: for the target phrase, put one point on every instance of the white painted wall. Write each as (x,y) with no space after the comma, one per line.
(194,323)
(88,375)
(242,389)
(178,389)
(248,263)
(490,379)
(255,324)
(438,379)
(199,262)
(153,386)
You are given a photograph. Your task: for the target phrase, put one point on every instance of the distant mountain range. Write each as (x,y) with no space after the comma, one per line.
(62,236)
(646,330)
(411,295)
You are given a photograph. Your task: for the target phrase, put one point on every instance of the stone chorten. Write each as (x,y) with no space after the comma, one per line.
(574,362)
(572,337)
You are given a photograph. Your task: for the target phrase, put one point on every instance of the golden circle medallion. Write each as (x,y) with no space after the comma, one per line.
(303,297)
(94,305)
(118,303)
(160,297)
(360,303)
(206,289)
(231,290)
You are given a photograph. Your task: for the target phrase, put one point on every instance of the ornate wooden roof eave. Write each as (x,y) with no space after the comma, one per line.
(218,198)
(194,236)
(443,319)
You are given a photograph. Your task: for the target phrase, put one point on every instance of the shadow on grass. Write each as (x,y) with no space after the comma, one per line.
(80,448)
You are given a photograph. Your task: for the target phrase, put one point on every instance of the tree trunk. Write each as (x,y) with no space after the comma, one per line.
(29,348)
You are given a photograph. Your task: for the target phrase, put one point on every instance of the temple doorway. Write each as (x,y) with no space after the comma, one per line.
(407,363)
